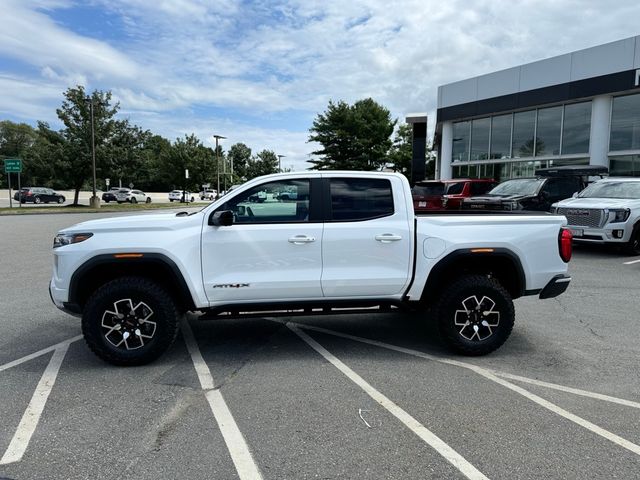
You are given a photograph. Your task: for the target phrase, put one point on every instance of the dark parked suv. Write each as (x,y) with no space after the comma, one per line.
(550,185)
(38,195)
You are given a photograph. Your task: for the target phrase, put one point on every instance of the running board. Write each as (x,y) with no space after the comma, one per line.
(228,312)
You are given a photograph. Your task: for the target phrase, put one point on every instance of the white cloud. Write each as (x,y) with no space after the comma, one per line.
(179,56)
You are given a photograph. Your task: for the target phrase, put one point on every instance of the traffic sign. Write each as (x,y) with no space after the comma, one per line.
(12,165)
(107,181)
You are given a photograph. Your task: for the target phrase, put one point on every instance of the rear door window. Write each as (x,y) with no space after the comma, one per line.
(455,188)
(358,199)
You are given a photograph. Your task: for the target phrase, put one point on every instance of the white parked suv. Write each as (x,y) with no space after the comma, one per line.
(176,196)
(607,211)
(208,194)
(132,196)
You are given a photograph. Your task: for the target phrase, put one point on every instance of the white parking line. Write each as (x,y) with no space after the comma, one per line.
(431,439)
(632,447)
(631,262)
(39,353)
(236,444)
(31,417)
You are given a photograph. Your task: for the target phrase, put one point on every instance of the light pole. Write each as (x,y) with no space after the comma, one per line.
(280,157)
(94,202)
(218,137)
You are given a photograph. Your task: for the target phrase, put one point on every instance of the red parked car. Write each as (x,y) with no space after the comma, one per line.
(448,194)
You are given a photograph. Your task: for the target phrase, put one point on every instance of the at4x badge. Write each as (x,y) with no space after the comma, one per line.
(231,285)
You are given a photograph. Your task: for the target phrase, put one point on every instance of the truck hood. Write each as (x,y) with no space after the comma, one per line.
(497,198)
(598,203)
(136,223)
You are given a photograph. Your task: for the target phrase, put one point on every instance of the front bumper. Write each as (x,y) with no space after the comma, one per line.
(556,286)
(59,297)
(611,233)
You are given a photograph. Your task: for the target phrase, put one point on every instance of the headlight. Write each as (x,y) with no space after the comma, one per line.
(619,215)
(66,239)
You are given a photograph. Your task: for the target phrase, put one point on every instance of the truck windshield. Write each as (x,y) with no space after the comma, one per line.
(518,186)
(612,190)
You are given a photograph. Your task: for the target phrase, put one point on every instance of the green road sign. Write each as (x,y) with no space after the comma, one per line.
(12,165)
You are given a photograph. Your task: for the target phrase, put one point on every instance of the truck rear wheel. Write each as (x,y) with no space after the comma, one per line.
(130,321)
(475,315)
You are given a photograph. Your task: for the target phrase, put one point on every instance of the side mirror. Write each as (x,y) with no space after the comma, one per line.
(223,218)
(575,195)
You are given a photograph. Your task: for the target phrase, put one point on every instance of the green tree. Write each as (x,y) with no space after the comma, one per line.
(187,153)
(75,113)
(353,137)
(15,140)
(44,157)
(401,153)
(264,163)
(239,156)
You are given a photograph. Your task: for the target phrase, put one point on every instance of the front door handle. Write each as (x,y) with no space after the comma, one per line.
(388,238)
(301,239)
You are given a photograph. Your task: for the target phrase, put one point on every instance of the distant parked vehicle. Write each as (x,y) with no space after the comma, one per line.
(428,195)
(208,194)
(38,195)
(177,196)
(132,196)
(110,196)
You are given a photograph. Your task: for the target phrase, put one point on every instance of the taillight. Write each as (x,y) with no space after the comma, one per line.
(565,244)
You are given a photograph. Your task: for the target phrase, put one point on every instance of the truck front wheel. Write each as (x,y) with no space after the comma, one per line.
(475,315)
(130,321)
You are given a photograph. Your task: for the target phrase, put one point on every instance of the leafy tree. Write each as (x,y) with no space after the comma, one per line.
(15,140)
(353,137)
(187,153)
(43,158)
(263,163)
(75,113)
(401,154)
(239,156)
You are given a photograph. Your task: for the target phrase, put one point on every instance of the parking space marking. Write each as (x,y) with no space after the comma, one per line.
(39,353)
(612,437)
(236,444)
(430,438)
(562,388)
(631,262)
(31,417)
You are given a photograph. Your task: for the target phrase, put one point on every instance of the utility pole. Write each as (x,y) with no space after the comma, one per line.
(218,137)
(280,157)
(94,202)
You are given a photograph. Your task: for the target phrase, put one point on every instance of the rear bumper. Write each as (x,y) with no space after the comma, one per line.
(556,286)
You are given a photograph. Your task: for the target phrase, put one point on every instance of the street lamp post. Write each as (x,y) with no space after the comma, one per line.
(280,157)
(94,202)
(218,137)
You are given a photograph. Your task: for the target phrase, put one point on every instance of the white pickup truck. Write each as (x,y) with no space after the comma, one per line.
(349,242)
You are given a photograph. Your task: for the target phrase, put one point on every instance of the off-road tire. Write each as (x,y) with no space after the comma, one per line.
(457,320)
(137,289)
(633,245)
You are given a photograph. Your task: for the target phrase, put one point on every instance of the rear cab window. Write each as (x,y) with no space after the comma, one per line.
(360,199)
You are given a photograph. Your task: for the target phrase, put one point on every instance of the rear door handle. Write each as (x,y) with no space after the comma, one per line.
(388,238)
(301,239)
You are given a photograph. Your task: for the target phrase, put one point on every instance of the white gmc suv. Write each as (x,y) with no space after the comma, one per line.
(349,241)
(607,211)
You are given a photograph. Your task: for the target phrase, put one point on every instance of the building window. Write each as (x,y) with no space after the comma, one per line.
(548,131)
(524,124)
(500,137)
(576,128)
(625,123)
(624,166)
(461,137)
(480,129)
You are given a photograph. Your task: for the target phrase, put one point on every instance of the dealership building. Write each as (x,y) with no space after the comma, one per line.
(582,108)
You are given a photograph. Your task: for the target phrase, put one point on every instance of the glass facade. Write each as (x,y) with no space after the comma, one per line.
(500,137)
(625,123)
(576,129)
(480,130)
(524,127)
(548,131)
(461,139)
(624,165)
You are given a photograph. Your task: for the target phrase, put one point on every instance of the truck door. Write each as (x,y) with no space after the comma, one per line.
(273,249)
(366,246)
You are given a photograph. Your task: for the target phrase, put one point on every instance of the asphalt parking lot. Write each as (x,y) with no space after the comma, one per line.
(352,396)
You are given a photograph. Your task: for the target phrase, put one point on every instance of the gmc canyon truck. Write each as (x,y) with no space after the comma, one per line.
(338,242)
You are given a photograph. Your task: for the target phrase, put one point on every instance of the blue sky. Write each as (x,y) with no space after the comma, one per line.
(259,72)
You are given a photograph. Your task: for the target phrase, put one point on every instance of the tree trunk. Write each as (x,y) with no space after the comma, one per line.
(75,196)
